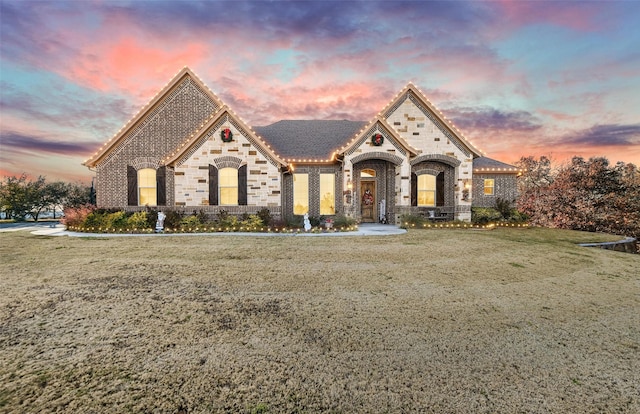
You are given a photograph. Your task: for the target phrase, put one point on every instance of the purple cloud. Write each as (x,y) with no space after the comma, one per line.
(14,141)
(492,118)
(606,135)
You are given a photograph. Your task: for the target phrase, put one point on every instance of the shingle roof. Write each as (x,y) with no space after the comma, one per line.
(489,164)
(308,139)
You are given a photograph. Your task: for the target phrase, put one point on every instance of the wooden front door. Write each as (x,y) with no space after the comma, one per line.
(368,201)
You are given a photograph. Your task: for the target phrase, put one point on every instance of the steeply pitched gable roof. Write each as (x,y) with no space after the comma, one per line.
(198,136)
(412,92)
(308,139)
(380,123)
(148,109)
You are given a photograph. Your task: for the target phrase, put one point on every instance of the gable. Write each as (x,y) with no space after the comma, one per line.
(175,112)
(208,141)
(425,127)
(391,142)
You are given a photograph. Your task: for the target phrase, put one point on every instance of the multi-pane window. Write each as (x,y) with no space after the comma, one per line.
(147,187)
(228,186)
(300,194)
(426,190)
(327,194)
(489,186)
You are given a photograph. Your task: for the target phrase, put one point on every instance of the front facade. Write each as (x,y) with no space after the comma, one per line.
(186,150)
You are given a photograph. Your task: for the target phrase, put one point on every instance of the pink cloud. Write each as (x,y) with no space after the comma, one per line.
(130,66)
(580,16)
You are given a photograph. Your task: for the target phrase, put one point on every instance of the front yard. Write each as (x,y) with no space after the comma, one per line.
(465,321)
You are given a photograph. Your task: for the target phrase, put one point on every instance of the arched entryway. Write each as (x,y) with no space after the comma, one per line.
(375,190)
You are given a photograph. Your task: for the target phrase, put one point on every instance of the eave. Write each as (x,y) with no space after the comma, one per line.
(141,115)
(446,123)
(205,127)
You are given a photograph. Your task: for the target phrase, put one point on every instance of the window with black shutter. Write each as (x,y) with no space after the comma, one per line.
(440,189)
(213,185)
(242,185)
(161,186)
(132,186)
(414,189)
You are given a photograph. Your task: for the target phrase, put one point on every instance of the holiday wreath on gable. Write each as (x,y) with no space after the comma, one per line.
(377,139)
(226,135)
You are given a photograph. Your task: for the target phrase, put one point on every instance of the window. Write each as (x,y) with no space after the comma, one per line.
(368,173)
(427,190)
(300,194)
(327,194)
(489,186)
(147,187)
(228,186)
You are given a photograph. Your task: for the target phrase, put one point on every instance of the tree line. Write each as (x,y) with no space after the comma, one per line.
(22,197)
(588,195)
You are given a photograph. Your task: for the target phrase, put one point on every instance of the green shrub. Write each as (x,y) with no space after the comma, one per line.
(484,215)
(278,223)
(172,219)
(265,216)
(203,218)
(152,218)
(295,222)
(342,221)
(252,222)
(222,215)
(190,222)
(504,207)
(117,220)
(228,221)
(96,220)
(411,220)
(138,221)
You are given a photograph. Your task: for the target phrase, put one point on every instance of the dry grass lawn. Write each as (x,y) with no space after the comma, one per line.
(432,321)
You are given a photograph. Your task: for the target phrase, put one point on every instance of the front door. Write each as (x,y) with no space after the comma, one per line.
(368,201)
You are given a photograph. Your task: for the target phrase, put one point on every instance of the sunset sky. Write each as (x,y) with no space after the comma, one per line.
(518,78)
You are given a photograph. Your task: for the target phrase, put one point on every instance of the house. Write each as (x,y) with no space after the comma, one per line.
(187,150)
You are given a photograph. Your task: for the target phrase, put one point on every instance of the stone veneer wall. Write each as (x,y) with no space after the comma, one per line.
(159,133)
(506,187)
(430,137)
(192,174)
(423,131)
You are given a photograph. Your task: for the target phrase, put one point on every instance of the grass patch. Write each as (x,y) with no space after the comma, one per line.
(429,321)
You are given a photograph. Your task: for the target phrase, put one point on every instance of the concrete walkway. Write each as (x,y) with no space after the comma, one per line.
(54,229)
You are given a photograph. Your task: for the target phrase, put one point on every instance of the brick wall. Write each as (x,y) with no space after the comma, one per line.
(160,132)
(506,187)
(314,172)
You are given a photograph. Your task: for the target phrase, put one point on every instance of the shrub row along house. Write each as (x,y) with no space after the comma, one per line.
(187,150)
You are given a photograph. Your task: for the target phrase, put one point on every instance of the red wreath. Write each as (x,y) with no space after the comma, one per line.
(377,139)
(226,135)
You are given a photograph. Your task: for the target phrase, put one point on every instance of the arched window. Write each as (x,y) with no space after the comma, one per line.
(228,186)
(147,187)
(368,173)
(427,190)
